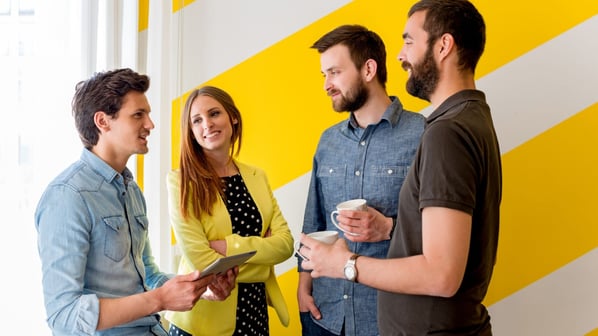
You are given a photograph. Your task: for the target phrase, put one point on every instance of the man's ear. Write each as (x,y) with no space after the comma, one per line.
(101,119)
(370,69)
(446,45)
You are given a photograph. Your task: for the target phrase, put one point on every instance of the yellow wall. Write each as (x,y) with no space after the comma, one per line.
(550,179)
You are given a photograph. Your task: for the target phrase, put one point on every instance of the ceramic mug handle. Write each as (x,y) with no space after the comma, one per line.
(297,246)
(333,215)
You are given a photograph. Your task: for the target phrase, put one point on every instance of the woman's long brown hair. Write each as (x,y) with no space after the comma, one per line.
(200,185)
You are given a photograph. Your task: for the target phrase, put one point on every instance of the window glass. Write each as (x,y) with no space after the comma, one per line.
(39,65)
(26,7)
(4,7)
(42,57)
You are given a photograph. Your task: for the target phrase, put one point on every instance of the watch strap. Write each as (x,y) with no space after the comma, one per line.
(394,226)
(351,264)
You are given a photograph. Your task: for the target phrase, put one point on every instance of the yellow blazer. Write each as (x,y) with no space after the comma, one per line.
(213,318)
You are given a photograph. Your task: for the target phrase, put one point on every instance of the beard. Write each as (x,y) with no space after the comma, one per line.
(424,77)
(353,100)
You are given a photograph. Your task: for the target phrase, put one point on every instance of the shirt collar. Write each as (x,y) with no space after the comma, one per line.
(103,169)
(456,99)
(391,115)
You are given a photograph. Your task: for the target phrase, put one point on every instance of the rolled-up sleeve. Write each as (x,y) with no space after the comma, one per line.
(63,243)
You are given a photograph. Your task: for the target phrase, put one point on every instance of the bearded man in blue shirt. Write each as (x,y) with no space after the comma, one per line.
(99,275)
(365,156)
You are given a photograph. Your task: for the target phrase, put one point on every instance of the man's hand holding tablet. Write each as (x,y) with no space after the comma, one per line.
(225,263)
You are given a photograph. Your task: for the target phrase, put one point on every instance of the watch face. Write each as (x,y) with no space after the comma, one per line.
(350,273)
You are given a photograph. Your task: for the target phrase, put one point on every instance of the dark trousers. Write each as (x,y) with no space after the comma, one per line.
(310,328)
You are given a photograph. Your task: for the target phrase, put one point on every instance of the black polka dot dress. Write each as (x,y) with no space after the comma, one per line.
(252,309)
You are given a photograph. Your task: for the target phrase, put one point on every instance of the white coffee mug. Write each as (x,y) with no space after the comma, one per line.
(326,237)
(358,204)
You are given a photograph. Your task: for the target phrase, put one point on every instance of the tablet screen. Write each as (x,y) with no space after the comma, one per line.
(225,263)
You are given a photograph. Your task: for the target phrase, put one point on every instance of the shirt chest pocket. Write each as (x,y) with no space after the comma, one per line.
(333,180)
(389,172)
(117,240)
(382,185)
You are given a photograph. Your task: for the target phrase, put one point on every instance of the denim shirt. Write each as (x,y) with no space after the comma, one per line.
(93,243)
(349,163)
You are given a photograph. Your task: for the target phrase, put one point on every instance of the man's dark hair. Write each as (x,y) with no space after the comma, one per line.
(104,91)
(459,18)
(363,44)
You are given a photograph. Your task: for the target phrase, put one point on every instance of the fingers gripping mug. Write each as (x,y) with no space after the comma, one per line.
(326,237)
(358,204)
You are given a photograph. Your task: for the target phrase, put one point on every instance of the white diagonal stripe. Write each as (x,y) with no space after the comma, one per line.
(564,302)
(219,34)
(543,87)
(291,199)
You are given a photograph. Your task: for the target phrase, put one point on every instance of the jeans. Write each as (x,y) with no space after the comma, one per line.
(310,328)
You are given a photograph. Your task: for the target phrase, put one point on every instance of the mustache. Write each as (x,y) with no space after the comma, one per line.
(332,92)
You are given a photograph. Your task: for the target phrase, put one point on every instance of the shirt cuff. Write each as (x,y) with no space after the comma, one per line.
(89,314)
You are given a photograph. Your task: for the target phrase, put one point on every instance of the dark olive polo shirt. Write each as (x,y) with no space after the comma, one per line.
(457,166)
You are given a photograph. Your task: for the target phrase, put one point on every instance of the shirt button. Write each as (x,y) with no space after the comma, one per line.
(357,173)
(390,171)
(331,171)
(345,296)
(362,143)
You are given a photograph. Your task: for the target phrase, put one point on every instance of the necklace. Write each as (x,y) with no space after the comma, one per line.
(229,170)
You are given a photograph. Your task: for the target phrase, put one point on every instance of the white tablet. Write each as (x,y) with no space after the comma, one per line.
(225,263)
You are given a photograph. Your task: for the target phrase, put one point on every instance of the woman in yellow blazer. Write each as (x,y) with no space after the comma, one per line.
(219,206)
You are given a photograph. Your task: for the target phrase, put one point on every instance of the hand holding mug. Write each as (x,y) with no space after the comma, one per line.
(323,260)
(326,237)
(358,204)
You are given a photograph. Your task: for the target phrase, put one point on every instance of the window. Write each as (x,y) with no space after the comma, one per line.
(46,47)
(40,62)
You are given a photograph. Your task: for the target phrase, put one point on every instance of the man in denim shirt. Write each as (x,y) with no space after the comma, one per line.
(99,275)
(366,156)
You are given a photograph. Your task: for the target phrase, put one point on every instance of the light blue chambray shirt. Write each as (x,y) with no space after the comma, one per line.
(349,163)
(93,242)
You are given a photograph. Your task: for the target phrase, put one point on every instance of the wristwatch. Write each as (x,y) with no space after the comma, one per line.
(350,269)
